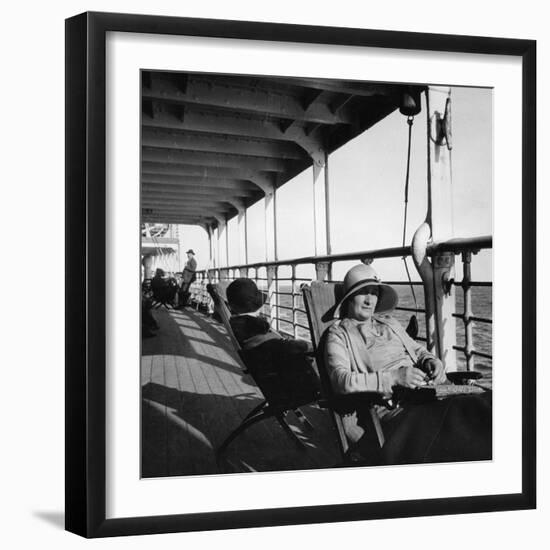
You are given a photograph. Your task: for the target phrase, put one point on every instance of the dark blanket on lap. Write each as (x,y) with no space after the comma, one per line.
(455,429)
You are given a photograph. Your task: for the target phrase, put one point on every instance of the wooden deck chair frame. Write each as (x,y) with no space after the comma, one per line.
(267,408)
(319,300)
(164,296)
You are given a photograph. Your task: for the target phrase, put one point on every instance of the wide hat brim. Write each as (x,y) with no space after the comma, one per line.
(244,297)
(248,303)
(387,297)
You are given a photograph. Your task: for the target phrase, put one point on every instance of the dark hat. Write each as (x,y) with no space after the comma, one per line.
(243,296)
(190,251)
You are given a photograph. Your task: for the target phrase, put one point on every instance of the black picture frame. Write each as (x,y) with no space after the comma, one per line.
(85,277)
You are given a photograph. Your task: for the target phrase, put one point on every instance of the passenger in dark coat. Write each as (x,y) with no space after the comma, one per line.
(284,362)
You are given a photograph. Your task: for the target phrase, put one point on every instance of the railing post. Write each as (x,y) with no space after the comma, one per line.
(272,294)
(322,270)
(294,304)
(468,323)
(444,268)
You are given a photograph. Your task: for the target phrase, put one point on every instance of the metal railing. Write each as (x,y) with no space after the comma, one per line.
(286,310)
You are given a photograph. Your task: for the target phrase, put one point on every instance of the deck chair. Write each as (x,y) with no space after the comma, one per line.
(164,294)
(319,300)
(277,402)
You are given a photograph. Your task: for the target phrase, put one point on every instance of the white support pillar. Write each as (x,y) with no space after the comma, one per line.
(211,260)
(226,242)
(217,245)
(320,229)
(241,230)
(327,207)
(270,211)
(222,242)
(440,218)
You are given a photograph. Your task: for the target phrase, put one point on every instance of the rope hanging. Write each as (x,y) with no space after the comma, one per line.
(413,323)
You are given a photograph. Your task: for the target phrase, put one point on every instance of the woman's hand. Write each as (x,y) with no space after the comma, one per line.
(433,368)
(409,377)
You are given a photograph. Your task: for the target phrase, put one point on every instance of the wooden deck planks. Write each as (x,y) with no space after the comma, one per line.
(219,370)
(195,393)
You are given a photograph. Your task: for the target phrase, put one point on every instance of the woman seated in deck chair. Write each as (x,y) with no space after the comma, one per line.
(267,353)
(367,350)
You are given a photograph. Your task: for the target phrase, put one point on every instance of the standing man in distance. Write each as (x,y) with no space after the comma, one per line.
(188,277)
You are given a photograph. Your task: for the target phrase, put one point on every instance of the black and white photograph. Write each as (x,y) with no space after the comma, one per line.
(316,273)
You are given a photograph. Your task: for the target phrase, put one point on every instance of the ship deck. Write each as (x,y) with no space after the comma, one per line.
(194,393)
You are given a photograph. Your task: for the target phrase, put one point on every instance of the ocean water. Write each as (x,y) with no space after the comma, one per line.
(482,306)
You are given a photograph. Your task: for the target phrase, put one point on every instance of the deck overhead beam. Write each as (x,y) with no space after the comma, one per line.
(184,218)
(243,189)
(339,102)
(190,181)
(181,218)
(191,158)
(189,193)
(246,98)
(153,199)
(205,190)
(216,206)
(228,125)
(352,88)
(213,172)
(221,144)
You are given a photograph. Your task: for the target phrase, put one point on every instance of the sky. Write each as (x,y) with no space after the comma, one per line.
(367,178)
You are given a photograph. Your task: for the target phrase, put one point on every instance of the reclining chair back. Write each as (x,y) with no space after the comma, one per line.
(279,390)
(320,299)
(280,397)
(217,292)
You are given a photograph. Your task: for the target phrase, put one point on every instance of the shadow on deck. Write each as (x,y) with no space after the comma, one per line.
(194,393)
